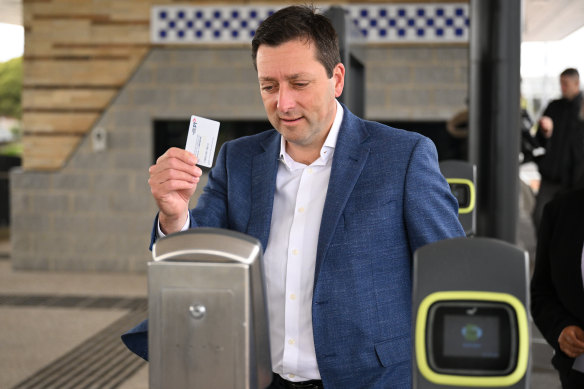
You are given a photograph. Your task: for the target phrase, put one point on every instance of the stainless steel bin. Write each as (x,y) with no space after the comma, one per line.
(207,315)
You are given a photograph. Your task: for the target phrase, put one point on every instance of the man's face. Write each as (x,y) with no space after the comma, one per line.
(298,96)
(570,86)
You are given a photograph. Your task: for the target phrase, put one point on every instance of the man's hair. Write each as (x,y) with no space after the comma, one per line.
(299,22)
(570,72)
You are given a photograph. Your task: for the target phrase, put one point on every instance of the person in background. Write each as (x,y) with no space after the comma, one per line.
(557,289)
(339,204)
(559,133)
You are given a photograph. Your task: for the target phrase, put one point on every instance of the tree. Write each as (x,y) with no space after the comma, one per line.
(11,88)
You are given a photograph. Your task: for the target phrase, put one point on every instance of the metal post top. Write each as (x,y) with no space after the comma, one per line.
(471,264)
(213,245)
(480,246)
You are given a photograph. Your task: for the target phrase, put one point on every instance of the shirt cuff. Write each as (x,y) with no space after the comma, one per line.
(161,234)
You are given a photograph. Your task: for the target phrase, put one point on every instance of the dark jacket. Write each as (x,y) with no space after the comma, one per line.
(557,291)
(565,148)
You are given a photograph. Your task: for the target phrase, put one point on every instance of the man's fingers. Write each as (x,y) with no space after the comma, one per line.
(175,174)
(570,342)
(171,195)
(567,348)
(572,351)
(171,163)
(577,345)
(176,185)
(180,154)
(160,186)
(177,164)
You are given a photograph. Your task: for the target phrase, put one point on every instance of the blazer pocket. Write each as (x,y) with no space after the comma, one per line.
(392,351)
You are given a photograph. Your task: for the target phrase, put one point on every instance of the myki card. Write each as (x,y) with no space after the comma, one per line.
(202,139)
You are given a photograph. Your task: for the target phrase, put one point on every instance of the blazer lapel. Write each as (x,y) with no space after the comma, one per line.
(263,184)
(348,161)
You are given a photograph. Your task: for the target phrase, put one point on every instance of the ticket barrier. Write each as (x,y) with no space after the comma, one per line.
(208,324)
(469,315)
(462,178)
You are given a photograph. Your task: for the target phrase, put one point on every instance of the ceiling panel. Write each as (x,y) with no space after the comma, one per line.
(548,20)
(11,11)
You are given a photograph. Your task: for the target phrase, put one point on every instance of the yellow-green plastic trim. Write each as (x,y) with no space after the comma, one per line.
(471,188)
(470,381)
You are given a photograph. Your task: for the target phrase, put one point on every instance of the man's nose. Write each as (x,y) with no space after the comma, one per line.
(285,99)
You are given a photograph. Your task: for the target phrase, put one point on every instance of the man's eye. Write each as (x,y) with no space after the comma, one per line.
(267,88)
(300,84)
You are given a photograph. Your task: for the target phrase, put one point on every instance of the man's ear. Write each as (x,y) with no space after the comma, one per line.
(339,78)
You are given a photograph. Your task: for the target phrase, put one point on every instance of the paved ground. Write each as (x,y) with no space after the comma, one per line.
(61,329)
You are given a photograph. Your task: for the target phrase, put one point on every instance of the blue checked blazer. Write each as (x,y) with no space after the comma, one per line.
(386,198)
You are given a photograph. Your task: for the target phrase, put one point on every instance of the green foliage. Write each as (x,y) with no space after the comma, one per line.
(13,149)
(16,131)
(11,88)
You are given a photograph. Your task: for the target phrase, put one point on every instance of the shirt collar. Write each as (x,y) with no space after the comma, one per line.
(327,150)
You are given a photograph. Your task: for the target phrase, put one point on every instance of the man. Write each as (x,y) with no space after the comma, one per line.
(557,290)
(338,203)
(561,136)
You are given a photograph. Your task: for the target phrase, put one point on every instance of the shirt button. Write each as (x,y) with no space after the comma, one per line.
(301,209)
(295,252)
(292,296)
(291,341)
(291,375)
(310,170)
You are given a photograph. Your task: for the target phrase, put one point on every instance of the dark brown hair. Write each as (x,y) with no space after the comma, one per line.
(570,72)
(299,22)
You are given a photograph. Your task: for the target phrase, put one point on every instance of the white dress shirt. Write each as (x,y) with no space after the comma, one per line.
(290,258)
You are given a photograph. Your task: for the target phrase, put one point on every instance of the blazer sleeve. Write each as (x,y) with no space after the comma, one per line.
(211,209)
(136,340)
(547,310)
(431,211)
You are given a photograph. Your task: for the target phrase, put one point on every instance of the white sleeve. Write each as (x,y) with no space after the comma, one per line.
(161,234)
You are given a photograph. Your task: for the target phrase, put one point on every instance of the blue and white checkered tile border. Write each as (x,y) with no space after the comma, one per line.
(375,23)
(411,22)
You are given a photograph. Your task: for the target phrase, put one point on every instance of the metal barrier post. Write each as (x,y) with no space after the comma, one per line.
(208,324)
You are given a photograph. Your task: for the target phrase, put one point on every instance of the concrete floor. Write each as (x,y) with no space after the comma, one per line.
(34,335)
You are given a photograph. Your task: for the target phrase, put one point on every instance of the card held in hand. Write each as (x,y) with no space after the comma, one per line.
(202,139)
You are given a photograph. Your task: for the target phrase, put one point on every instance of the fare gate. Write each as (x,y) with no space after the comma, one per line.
(471,326)
(208,324)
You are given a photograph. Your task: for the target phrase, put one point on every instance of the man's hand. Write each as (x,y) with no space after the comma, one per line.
(571,341)
(546,126)
(173,180)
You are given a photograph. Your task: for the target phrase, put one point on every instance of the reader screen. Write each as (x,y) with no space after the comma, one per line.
(472,338)
(462,193)
(476,337)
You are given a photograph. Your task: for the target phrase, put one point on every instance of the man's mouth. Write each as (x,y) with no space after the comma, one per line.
(290,120)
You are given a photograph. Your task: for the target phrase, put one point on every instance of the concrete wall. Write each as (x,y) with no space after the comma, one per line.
(415,83)
(96,212)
